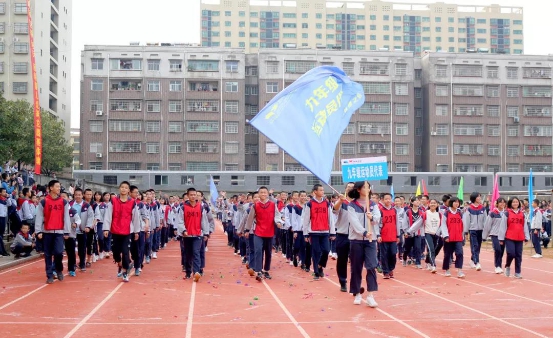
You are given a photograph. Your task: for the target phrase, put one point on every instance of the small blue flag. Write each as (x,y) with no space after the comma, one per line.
(308,117)
(213,191)
(392,193)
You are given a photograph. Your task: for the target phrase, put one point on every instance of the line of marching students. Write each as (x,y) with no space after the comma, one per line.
(131,226)
(369,230)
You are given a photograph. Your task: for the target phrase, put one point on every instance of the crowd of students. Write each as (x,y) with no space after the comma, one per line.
(359,228)
(371,230)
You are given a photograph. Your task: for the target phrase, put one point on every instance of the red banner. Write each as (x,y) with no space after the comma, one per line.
(36,113)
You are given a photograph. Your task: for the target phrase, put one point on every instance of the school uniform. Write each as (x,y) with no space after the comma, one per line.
(318,228)
(192,219)
(342,243)
(22,245)
(546,219)
(53,222)
(400,211)
(104,243)
(5,203)
(514,233)
(494,222)
(363,251)
(250,252)
(302,249)
(70,241)
(389,233)
(535,228)
(413,220)
(453,229)
(84,240)
(122,219)
(238,214)
(137,245)
(261,221)
(153,216)
(210,229)
(286,233)
(474,217)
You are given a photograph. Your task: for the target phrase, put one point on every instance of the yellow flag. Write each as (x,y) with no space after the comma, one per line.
(418,193)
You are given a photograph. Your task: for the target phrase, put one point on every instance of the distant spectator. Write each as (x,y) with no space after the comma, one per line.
(71,189)
(544,238)
(6,184)
(23,243)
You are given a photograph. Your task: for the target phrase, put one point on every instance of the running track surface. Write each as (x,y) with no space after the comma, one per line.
(227,302)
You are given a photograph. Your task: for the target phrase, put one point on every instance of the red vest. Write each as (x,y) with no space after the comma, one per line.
(388,232)
(193,218)
(53,213)
(515,226)
(319,215)
(454,224)
(122,216)
(264,219)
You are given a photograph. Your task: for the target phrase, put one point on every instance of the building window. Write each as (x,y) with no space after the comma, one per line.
(442,90)
(231,66)
(231,147)
(442,129)
(441,71)
(512,111)
(175,86)
(161,179)
(402,109)
(493,111)
(175,148)
(402,129)
(231,87)
(231,107)
(492,91)
(153,86)
(202,127)
(125,147)
(288,180)
(96,126)
(97,64)
(203,66)
(97,85)
(153,65)
(540,131)
(175,106)
(402,149)
(175,65)
(299,67)
(402,167)
(152,148)
(231,127)
(441,149)
(152,166)
(347,148)
(467,70)
(468,130)
(153,106)
(20,87)
(153,126)
(402,89)
(95,147)
(206,147)
(272,87)
(441,109)
(96,105)
(512,73)
(375,108)
(21,47)
(493,150)
(376,87)
(125,125)
(350,129)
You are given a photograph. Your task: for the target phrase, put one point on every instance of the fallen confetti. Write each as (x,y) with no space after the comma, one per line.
(255,298)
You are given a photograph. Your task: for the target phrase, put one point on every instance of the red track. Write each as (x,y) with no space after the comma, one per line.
(229,303)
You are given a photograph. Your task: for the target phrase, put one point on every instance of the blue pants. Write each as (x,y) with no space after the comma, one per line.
(81,249)
(388,252)
(475,245)
(251,251)
(70,251)
(243,251)
(137,250)
(148,244)
(514,251)
(156,241)
(320,247)
(434,244)
(363,253)
(449,249)
(182,251)
(412,243)
(202,255)
(2,231)
(192,247)
(342,250)
(498,251)
(263,247)
(53,253)
(536,241)
(299,246)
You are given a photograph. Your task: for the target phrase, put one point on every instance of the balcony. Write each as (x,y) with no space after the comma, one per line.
(537,73)
(125,85)
(203,86)
(537,150)
(211,106)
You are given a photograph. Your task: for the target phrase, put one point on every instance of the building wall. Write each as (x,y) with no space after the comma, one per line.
(507,97)
(361,25)
(52,25)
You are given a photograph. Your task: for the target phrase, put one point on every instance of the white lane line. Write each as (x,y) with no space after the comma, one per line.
(191,311)
(472,309)
(22,266)
(292,319)
(23,297)
(389,315)
(88,316)
(525,267)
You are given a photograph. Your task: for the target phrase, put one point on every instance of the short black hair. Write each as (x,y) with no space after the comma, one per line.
(474,196)
(385,194)
(77,190)
(50,184)
(510,202)
(2,190)
(133,188)
(86,190)
(25,191)
(446,198)
(262,187)
(452,200)
(125,182)
(190,190)
(317,186)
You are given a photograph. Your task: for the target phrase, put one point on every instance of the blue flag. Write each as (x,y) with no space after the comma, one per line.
(531,195)
(392,193)
(308,117)
(213,191)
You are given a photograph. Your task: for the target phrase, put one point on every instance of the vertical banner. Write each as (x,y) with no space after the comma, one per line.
(36,103)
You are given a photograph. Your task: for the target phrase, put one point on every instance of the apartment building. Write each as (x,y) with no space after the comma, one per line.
(385,125)
(52,39)
(361,25)
(168,107)
(487,112)
(75,142)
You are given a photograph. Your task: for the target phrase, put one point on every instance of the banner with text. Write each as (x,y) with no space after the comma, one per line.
(365,169)
(36,101)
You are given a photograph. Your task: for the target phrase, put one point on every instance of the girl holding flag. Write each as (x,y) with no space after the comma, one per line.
(364,218)
(512,233)
(453,230)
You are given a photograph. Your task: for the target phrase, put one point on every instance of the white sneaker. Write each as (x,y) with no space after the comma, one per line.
(335,255)
(433,269)
(447,273)
(507,272)
(478,267)
(283,255)
(472,265)
(93,258)
(330,254)
(154,255)
(291,263)
(101,255)
(428,267)
(371,302)
(107,255)
(537,256)
(460,274)
(205,249)
(498,270)
(358,299)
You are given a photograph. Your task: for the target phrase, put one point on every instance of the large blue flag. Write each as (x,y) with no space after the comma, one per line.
(214,194)
(531,195)
(308,117)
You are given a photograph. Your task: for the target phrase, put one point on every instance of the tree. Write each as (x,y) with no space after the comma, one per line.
(17,137)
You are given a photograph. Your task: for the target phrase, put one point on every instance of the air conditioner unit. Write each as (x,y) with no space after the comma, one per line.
(433,133)
(15,39)
(99,113)
(98,155)
(516,119)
